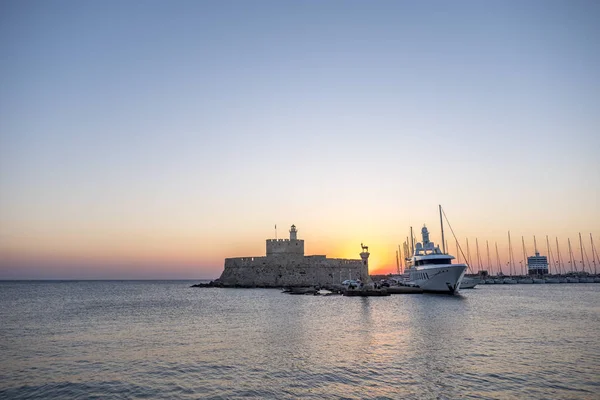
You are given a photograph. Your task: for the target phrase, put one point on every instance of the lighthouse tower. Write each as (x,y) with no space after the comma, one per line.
(364,255)
(293,233)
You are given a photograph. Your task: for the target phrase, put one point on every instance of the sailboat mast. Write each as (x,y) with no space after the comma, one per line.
(524,255)
(457,251)
(478,257)
(412,243)
(581,250)
(510,255)
(498,260)
(571,261)
(487,246)
(549,253)
(468,260)
(594,253)
(397,262)
(560,266)
(442,226)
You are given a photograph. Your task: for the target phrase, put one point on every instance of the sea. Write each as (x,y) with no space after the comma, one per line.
(165,339)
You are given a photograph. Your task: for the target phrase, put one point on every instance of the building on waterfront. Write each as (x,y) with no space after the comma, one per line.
(286,265)
(537,265)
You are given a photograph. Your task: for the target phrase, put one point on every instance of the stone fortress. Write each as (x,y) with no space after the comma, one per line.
(286,265)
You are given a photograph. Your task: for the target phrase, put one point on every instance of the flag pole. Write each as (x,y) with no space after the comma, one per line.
(275,231)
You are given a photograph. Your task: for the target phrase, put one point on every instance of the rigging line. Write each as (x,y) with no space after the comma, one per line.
(458,244)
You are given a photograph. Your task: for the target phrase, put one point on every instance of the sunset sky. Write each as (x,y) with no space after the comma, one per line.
(152,139)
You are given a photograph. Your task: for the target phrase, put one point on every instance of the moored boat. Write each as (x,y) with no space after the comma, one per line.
(468,283)
(431,268)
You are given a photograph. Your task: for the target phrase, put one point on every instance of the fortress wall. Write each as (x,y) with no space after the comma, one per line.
(278,271)
(287,246)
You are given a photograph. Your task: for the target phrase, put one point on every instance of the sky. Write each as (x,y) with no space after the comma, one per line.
(153,139)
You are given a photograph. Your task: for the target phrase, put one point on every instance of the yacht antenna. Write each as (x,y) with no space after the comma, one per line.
(442,225)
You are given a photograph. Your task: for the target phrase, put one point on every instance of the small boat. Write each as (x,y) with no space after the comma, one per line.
(468,283)
(538,280)
(302,290)
(552,280)
(364,292)
(509,281)
(527,280)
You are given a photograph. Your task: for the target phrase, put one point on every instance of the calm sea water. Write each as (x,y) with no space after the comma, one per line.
(167,340)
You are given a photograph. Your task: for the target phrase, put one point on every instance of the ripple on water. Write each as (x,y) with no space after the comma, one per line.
(163,340)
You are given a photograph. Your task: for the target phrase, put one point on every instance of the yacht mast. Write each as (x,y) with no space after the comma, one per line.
(442,226)
(572,262)
(457,252)
(560,264)
(487,246)
(549,253)
(498,260)
(478,256)
(524,255)
(412,242)
(468,260)
(581,250)
(510,255)
(594,253)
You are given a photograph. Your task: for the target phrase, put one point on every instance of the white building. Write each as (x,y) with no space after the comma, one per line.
(537,265)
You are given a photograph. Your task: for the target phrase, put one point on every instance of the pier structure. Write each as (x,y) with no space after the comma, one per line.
(286,265)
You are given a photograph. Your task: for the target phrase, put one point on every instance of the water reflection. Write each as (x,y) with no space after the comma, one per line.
(150,339)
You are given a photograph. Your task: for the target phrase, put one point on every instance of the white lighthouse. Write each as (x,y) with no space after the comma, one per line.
(293,233)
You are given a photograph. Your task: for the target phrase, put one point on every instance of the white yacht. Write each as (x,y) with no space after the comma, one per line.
(431,269)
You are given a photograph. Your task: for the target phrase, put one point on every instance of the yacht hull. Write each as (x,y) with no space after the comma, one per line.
(438,278)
